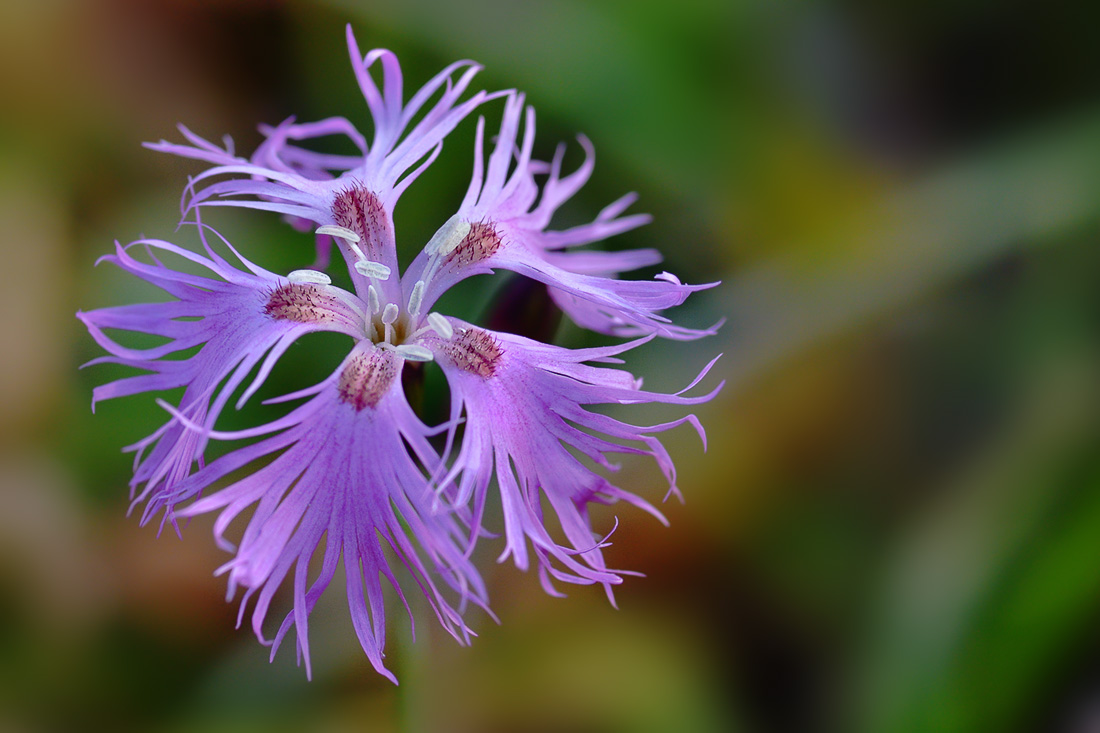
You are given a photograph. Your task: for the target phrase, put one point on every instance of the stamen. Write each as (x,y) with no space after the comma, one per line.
(309,276)
(416,298)
(414,352)
(359,256)
(389,315)
(448,236)
(372,269)
(440,325)
(372,300)
(339,231)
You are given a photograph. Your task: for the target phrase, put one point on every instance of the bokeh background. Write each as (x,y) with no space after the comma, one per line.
(897,524)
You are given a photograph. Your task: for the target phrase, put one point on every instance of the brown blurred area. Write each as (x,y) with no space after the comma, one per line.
(896,523)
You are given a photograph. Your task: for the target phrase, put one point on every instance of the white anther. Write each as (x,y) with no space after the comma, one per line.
(416,298)
(372,269)
(449,236)
(412,352)
(440,325)
(338,231)
(389,315)
(372,299)
(309,276)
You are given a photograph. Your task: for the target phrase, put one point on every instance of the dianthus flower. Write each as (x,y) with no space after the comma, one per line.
(353,473)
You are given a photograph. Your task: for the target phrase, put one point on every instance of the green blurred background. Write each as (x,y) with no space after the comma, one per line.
(897,525)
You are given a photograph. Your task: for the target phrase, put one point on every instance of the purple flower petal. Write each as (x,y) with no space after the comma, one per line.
(526,408)
(342,478)
(298,184)
(240,320)
(500,225)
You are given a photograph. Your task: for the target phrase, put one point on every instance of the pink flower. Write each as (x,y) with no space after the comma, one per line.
(352,472)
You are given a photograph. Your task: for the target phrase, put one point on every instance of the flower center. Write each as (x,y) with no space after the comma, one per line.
(388,326)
